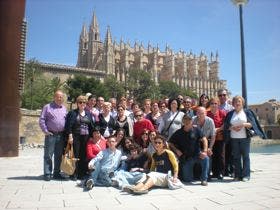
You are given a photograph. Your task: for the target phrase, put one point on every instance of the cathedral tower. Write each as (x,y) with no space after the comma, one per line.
(83,48)
(95,45)
(108,55)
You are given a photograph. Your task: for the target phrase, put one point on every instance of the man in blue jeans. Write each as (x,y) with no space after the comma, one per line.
(103,165)
(190,145)
(52,121)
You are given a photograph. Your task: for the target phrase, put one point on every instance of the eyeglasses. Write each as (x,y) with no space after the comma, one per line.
(81,102)
(222,95)
(158,142)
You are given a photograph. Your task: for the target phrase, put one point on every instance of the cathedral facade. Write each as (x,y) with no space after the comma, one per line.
(195,72)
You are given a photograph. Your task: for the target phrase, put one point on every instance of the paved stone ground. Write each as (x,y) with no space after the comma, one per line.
(22,187)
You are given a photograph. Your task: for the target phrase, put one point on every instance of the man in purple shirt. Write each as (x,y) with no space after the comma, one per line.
(52,121)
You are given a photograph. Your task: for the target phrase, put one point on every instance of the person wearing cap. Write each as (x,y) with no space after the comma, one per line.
(52,120)
(185,143)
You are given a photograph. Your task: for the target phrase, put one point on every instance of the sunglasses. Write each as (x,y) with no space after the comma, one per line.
(81,102)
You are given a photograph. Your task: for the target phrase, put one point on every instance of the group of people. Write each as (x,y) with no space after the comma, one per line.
(123,144)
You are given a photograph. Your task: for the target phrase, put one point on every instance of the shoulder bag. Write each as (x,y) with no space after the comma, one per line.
(68,162)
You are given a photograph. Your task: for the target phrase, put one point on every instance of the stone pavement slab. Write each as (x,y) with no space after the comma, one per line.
(22,187)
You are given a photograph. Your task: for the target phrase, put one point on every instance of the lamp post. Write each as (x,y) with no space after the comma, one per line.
(240,4)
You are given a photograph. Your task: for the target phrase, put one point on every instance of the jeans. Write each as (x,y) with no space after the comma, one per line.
(125,178)
(54,145)
(101,176)
(187,168)
(241,149)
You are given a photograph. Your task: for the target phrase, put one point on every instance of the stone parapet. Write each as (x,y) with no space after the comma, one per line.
(29,129)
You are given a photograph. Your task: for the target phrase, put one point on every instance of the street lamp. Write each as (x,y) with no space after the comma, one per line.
(240,4)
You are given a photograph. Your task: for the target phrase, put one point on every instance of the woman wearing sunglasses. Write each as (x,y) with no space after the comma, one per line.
(163,161)
(78,126)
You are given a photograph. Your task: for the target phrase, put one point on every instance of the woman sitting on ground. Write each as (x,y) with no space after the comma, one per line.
(137,167)
(163,161)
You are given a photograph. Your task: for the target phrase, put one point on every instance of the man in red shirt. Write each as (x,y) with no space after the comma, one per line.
(140,125)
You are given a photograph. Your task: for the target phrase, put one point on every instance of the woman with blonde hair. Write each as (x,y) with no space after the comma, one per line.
(218,157)
(78,127)
(239,126)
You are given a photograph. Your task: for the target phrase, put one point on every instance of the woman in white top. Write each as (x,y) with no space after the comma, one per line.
(171,120)
(238,127)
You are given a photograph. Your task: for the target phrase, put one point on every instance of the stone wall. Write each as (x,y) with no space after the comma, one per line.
(29,127)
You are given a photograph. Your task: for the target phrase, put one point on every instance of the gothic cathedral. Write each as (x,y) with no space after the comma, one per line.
(190,71)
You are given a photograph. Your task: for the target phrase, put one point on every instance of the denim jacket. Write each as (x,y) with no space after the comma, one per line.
(251,118)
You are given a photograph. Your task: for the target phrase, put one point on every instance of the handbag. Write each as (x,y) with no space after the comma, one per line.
(250,132)
(68,162)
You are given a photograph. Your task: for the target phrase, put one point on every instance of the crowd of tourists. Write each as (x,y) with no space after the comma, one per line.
(164,143)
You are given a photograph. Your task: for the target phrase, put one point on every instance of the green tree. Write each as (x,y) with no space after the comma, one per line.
(169,89)
(35,95)
(141,86)
(113,87)
(80,85)
(54,85)
(172,90)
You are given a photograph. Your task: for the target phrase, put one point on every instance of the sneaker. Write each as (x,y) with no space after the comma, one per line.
(47,177)
(246,179)
(89,184)
(220,177)
(58,177)
(115,183)
(81,183)
(204,183)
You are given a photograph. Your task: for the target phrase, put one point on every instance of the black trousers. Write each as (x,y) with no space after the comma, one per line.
(79,146)
(218,158)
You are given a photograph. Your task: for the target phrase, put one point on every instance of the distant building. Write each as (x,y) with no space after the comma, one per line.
(196,73)
(99,59)
(268,114)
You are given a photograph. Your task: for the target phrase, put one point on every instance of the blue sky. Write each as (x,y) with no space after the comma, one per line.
(54,27)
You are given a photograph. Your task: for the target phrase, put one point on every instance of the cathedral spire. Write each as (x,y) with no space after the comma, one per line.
(94,28)
(84,32)
(108,38)
(94,23)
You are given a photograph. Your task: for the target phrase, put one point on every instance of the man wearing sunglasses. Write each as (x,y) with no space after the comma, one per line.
(224,105)
(224,101)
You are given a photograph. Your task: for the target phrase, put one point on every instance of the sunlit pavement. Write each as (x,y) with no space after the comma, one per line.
(22,187)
